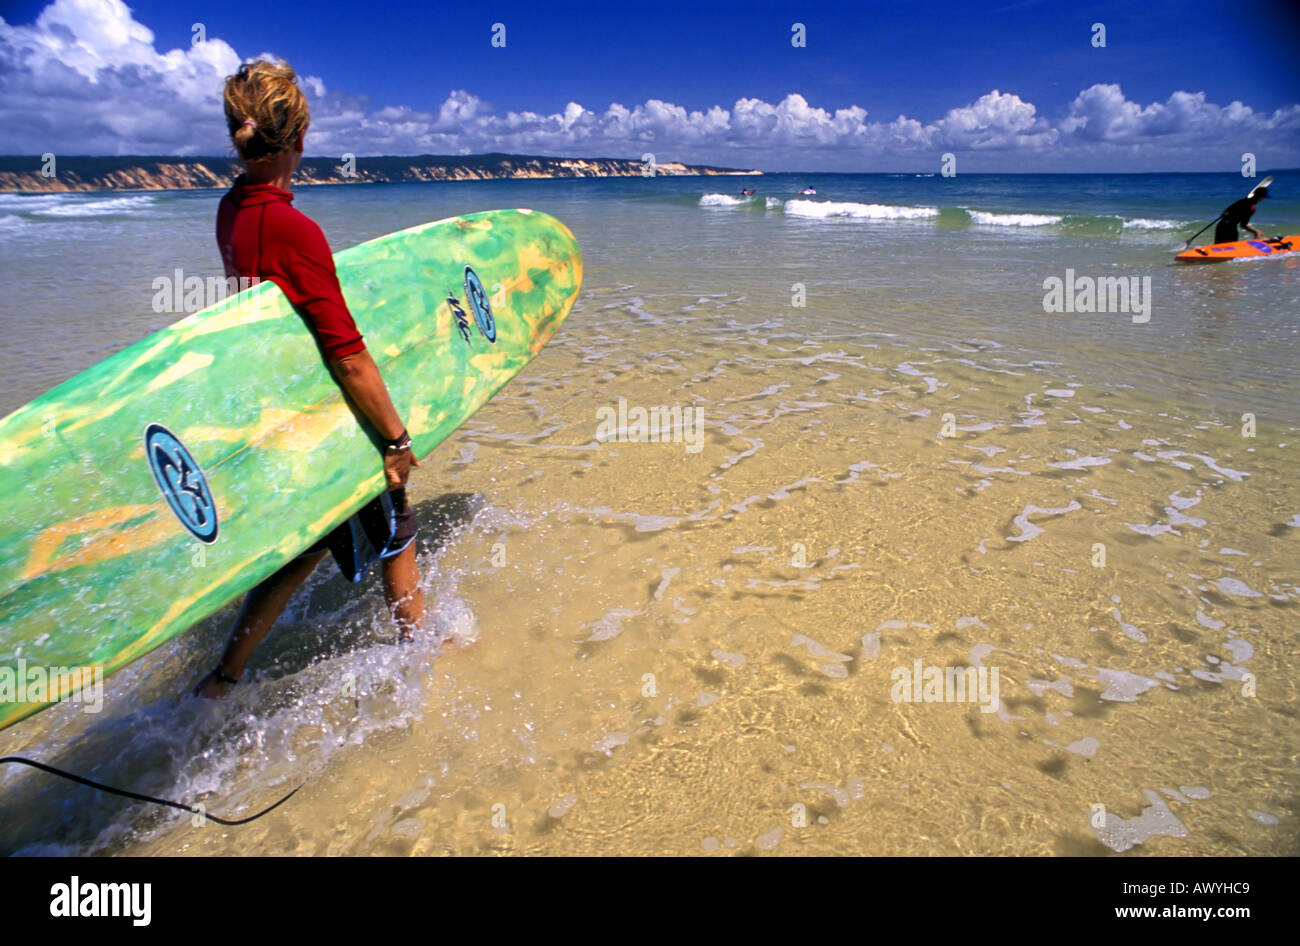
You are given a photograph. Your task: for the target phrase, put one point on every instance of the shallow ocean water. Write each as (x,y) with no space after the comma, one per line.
(643,647)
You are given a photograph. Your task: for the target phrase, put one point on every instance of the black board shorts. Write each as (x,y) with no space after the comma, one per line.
(1226,232)
(382,528)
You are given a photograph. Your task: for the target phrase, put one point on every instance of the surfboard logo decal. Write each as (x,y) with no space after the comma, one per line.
(478,301)
(462,320)
(181,481)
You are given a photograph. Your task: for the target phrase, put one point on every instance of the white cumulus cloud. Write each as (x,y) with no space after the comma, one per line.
(87,78)
(1101,113)
(995,120)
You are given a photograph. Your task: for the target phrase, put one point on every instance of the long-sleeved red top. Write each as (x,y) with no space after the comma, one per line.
(261,235)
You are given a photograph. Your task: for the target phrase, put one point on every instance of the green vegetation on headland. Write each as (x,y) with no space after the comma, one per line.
(28,173)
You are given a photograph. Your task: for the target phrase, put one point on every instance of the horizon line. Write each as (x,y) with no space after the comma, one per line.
(482,154)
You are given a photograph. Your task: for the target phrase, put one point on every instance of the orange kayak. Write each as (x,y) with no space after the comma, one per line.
(1239,249)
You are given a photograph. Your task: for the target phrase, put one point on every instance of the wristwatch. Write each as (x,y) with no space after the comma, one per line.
(400,444)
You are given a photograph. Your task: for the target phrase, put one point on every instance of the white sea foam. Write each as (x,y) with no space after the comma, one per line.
(1146,223)
(1237,588)
(1120,834)
(1172,455)
(831,208)
(1012,220)
(1123,686)
(1087,746)
(1029,530)
(96,208)
(29,202)
(722,200)
(610,624)
(1081,463)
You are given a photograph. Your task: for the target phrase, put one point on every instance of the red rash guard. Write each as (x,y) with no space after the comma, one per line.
(261,236)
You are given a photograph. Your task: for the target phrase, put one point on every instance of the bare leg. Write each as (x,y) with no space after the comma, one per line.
(402,589)
(261,608)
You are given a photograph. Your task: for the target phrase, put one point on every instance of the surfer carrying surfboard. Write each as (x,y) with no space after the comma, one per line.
(1238,213)
(262,236)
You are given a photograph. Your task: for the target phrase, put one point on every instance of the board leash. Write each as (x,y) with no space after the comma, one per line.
(124,793)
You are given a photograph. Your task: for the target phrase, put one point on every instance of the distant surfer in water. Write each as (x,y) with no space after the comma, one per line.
(1238,214)
(261,236)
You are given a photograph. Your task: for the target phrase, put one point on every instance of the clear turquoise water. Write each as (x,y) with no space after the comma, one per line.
(927,258)
(576,567)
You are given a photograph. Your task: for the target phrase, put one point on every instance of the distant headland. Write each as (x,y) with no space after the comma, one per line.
(30,174)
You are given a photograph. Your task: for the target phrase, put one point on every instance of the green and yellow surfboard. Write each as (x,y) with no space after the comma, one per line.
(150,490)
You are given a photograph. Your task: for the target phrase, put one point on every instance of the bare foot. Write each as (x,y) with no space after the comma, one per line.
(210,688)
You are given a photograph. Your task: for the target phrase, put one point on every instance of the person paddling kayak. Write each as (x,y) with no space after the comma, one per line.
(1238,214)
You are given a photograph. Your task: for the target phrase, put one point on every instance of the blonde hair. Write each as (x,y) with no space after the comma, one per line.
(265,110)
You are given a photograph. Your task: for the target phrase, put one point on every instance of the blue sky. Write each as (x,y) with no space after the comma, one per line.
(710,83)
